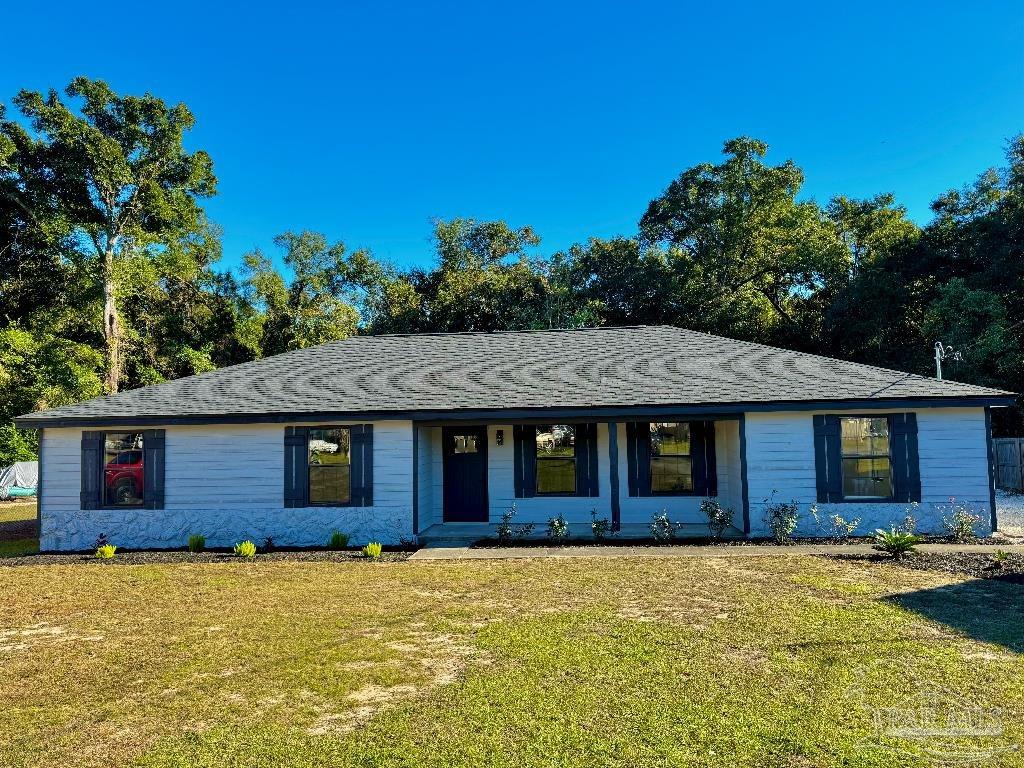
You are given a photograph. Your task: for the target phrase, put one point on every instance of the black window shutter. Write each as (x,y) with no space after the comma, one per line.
(153,468)
(586,460)
(828,462)
(906,464)
(524,439)
(92,470)
(296,470)
(362,465)
(638,457)
(705,465)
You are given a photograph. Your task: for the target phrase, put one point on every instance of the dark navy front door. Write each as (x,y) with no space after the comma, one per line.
(465,474)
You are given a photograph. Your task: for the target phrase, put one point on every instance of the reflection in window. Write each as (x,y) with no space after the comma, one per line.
(465,443)
(671,462)
(867,467)
(123,476)
(556,458)
(330,465)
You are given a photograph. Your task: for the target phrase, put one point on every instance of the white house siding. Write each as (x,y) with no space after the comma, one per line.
(727,457)
(953,462)
(501,492)
(430,477)
(686,509)
(225,482)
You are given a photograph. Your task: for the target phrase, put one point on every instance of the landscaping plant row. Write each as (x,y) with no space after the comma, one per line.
(247,549)
(782,519)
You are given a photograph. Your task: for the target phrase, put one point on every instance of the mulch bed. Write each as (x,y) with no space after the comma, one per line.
(127,557)
(616,541)
(974,564)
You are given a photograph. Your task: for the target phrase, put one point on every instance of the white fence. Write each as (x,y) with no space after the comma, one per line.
(1009,463)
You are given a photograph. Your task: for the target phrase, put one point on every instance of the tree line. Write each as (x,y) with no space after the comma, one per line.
(109,272)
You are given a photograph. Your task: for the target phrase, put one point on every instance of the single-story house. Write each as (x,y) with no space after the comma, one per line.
(436,435)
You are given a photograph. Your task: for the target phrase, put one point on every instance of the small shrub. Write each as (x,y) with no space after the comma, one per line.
(105,551)
(781,519)
(836,527)
(960,521)
(268,544)
(196,542)
(1000,558)
(338,540)
(558,528)
(372,550)
(895,542)
(600,527)
(909,524)
(662,528)
(408,542)
(506,533)
(505,526)
(843,529)
(245,549)
(719,517)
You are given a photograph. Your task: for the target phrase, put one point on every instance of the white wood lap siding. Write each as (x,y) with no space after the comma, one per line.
(226,482)
(501,492)
(953,462)
(686,509)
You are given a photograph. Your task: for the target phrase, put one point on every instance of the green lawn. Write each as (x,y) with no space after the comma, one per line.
(17,528)
(768,661)
(17,511)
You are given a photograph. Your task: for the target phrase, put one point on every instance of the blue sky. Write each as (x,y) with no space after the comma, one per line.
(365,120)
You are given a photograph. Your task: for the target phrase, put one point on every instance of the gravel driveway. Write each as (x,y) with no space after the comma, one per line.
(1010,512)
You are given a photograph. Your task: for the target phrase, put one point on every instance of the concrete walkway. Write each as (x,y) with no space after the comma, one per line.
(683,550)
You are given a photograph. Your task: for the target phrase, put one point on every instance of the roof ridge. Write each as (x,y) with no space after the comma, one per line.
(506,332)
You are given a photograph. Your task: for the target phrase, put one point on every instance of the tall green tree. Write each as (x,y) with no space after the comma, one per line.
(971,257)
(738,229)
(483,279)
(116,172)
(314,306)
(873,313)
(619,282)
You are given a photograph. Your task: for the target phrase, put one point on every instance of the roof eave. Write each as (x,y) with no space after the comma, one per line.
(636,412)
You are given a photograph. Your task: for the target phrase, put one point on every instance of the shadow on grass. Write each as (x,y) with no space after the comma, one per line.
(988,610)
(19,547)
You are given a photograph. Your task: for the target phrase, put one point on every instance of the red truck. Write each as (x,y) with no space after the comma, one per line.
(123,478)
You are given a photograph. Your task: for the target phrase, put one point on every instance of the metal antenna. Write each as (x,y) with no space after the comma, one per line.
(942,351)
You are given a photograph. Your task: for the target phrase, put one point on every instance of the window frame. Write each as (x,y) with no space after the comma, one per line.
(538,459)
(891,498)
(309,437)
(652,456)
(103,469)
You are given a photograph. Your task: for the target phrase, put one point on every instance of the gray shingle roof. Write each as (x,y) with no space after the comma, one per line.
(586,368)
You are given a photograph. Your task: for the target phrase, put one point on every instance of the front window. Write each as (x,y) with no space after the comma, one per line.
(465,443)
(556,459)
(867,466)
(330,465)
(671,461)
(123,476)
